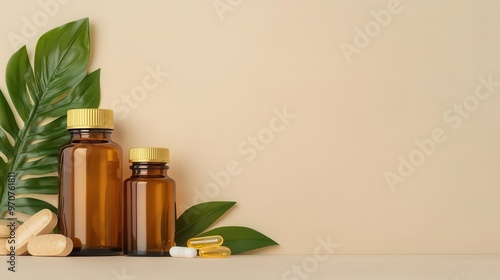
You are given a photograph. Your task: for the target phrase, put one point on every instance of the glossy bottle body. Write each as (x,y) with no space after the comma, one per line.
(149,224)
(90,194)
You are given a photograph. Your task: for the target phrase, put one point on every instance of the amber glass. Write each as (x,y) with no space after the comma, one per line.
(90,194)
(149,225)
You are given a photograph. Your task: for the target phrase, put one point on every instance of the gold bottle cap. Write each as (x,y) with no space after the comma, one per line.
(90,118)
(149,155)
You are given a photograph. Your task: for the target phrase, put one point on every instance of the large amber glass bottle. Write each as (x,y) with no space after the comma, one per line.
(90,191)
(149,204)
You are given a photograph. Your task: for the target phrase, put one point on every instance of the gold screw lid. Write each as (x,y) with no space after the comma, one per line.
(90,118)
(149,155)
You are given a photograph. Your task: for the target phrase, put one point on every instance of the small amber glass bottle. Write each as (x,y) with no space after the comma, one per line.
(149,204)
(90,187)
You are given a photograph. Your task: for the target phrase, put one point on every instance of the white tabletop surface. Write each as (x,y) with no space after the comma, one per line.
(296,267)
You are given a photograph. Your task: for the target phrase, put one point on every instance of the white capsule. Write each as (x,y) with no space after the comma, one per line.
(182,252)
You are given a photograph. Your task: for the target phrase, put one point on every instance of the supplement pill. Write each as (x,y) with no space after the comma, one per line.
(215,252)
(6,227)
(3,249)
(50,245)
(40,223)
(206,241)
(182,252)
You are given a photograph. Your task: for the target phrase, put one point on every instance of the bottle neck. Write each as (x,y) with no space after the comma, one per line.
(78,135)
(149,169)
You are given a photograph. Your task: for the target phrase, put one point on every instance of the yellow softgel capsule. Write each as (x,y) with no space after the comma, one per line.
(205,241)
(215,252)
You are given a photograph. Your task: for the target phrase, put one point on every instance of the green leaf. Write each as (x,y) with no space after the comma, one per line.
(31,206)
(61,58)
(198,218)
(241,239)
(41,97)
(18,69)
(45,185)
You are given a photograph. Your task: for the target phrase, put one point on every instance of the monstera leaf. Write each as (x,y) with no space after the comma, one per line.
(34,128)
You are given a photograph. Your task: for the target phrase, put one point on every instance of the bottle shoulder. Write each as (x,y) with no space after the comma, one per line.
(85,144)
(150,180)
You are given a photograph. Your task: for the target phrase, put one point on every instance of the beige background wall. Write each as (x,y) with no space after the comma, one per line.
(309,106)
